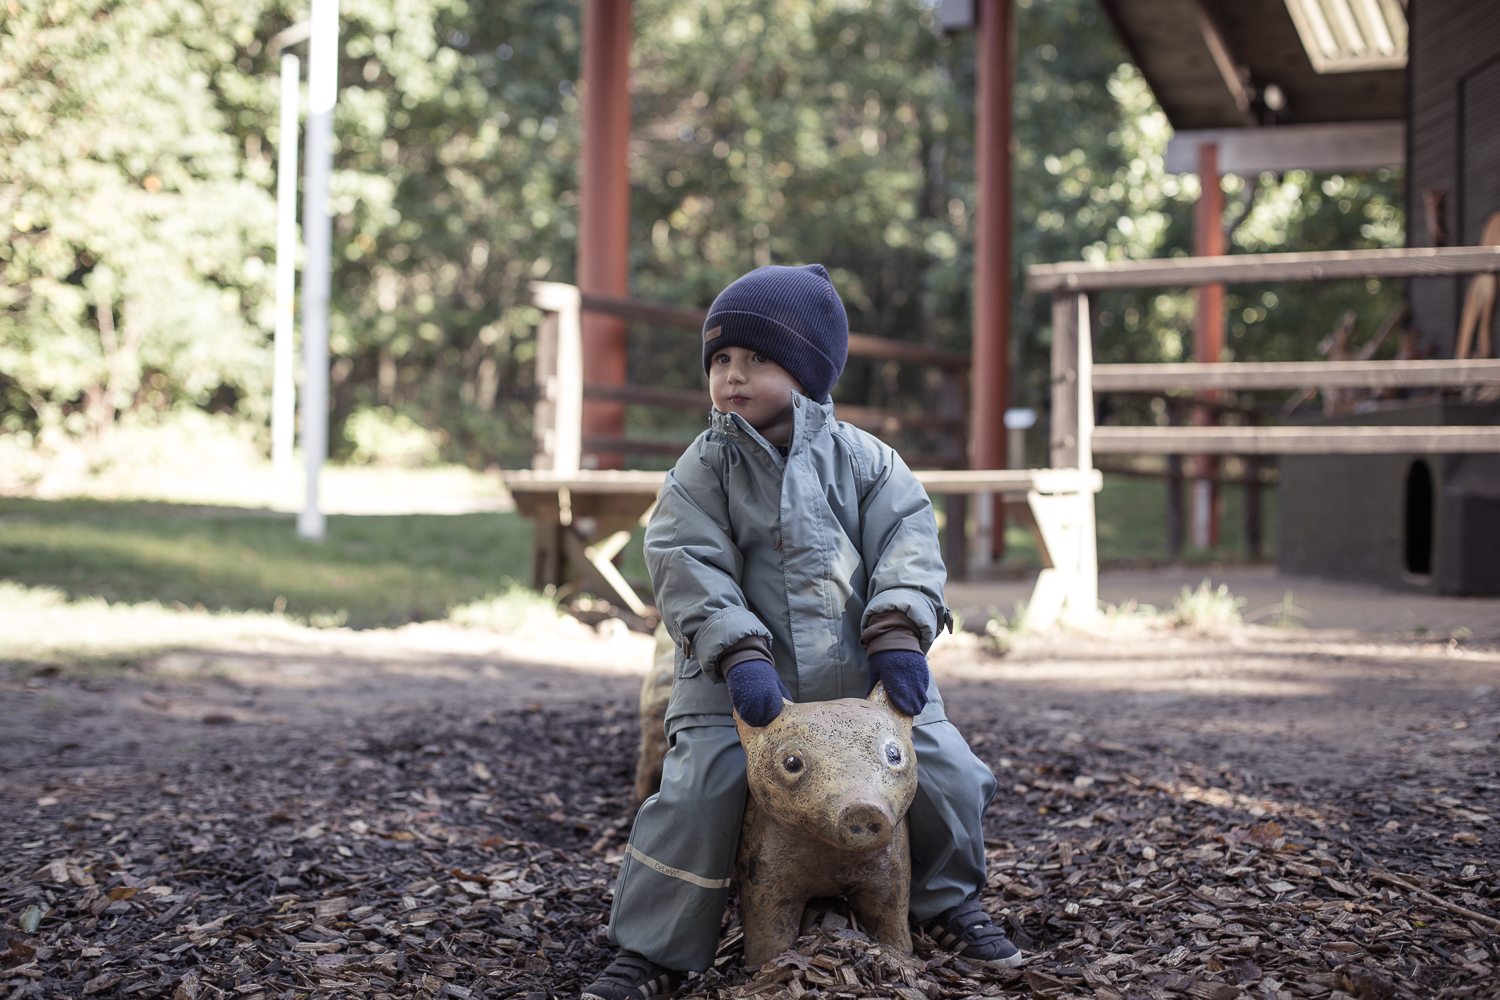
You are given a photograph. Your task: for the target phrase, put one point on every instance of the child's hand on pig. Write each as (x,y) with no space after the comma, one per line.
(756,692)
(905,676)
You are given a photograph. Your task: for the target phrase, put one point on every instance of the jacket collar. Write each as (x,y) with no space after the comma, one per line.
(808,419)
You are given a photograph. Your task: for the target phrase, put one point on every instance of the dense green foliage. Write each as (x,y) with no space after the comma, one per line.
(131,220)
(137,145)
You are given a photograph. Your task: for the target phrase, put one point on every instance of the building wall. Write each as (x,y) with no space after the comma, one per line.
(1454,137)
(1348,517)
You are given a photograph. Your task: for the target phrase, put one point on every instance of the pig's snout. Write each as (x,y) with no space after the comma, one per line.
(865,825)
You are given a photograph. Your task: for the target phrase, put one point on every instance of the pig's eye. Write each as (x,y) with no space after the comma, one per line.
(792,763)
(893,755)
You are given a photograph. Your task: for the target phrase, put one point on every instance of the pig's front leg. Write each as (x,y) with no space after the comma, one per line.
(883,895)
(771,896)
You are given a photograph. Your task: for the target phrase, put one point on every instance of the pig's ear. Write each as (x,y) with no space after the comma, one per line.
(878,696)
(746,731)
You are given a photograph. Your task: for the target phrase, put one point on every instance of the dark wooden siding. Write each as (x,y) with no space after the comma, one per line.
(1454,142)
(1479,182)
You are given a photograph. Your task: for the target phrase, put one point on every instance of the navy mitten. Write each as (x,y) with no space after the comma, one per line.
(756,691)
(904,674)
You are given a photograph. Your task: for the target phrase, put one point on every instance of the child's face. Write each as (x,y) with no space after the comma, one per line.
(752,385)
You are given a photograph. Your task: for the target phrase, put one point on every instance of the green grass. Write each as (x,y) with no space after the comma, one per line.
(369,571)
(373,571)
(1132,516)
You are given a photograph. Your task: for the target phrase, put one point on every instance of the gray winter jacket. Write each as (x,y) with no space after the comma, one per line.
(802,550)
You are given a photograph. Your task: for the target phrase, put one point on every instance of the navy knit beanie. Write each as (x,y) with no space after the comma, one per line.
(792,315)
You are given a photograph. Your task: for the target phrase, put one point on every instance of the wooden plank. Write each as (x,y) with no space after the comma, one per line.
(645,395)
(1325,265)
(544,410)
(1295,440)
(1224,61)
(1011,481)
(878,421)
(1325,147)
(860,345)
(565,386)
(583,481)
(644,310)
(1295,374)
(889,349)
(939,481)
(872,419)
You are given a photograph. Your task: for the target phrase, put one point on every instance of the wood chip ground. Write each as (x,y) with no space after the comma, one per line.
(454,854)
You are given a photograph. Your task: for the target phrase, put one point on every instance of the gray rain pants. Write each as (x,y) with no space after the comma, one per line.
(674,880)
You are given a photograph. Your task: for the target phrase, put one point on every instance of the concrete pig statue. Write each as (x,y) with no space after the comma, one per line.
(656,690)
(830,783)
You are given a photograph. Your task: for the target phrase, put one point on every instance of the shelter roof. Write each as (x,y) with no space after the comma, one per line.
(1210,63)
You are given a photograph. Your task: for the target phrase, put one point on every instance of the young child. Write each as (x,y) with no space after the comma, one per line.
(793,556)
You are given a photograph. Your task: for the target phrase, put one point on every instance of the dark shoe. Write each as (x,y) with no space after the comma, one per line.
(633,977)
(968,931)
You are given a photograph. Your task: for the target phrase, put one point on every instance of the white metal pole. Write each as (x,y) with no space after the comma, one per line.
(317,233)
(283,387)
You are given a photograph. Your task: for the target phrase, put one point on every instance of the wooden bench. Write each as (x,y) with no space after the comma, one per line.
(583,519)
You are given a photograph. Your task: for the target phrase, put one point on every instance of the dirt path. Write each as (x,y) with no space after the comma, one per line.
(280,818)
(1298,705)
(1321,605)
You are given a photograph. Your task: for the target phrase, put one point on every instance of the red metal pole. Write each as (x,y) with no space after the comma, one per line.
(604,208)
(1208,335)
(992,245)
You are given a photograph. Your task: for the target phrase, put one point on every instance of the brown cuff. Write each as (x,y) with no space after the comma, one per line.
(890,630)
(752,647)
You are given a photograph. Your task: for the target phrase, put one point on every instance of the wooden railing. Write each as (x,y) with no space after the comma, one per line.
(1324,265)
(583,517)
(1075,378)
(950,422)
(860,345)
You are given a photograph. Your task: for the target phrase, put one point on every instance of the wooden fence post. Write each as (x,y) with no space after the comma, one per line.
(544,407)
(1064,428)
(1066,520)
(1083,600)
(1176,520)
(564,382)
(557,420)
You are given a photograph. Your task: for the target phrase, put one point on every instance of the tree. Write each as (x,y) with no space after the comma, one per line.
(136,170)
(126,212)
